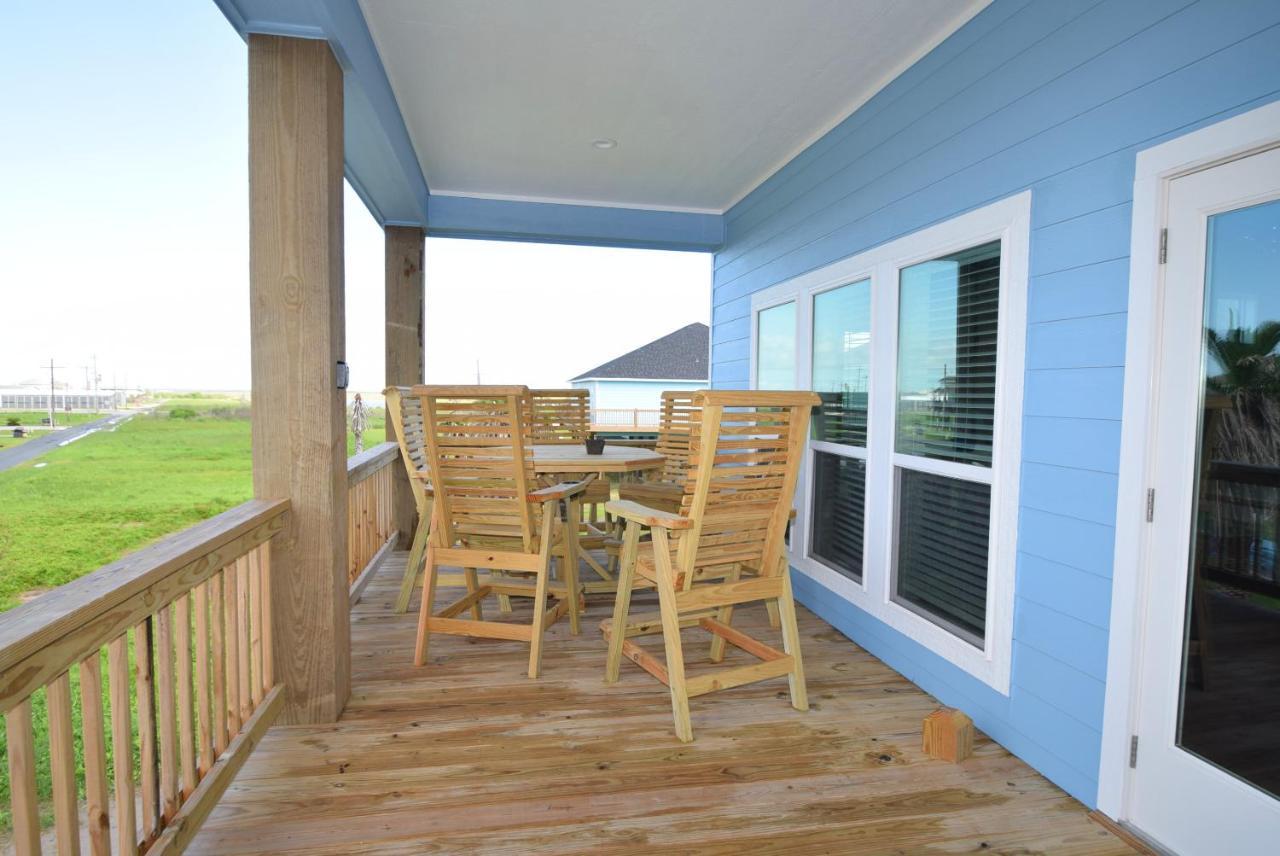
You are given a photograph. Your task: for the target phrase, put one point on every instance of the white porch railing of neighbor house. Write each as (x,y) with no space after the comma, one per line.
(625,419)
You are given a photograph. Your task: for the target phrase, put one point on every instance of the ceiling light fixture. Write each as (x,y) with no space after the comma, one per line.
(604,144)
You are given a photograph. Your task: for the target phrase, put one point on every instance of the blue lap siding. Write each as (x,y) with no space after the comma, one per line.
(1056,96)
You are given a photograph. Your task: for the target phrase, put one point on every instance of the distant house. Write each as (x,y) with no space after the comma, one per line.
(635,381)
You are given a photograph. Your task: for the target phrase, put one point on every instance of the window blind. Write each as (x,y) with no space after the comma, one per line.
(948,324)
(943,526)
(839,497)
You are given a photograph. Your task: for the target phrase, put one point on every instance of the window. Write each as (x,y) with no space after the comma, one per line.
(776,347)
(842,362)
(841,375)
(948,324)
(909,491)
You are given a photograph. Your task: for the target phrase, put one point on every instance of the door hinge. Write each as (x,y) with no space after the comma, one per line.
(1151,504)
(1164,245)
(1133,751)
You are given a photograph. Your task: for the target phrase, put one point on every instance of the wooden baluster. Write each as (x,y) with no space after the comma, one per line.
(22,779)
(186,727)
(122,744)
(217,605)
(268,653)
(97,818)
(203,711)
(145,682)
(255,621)
(231,640)
(244,669)
(166,714)
(62,765)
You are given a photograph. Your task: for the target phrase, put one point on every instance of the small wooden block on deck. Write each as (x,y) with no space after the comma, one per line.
(948,735)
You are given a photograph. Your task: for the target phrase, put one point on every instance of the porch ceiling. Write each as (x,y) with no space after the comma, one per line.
(495,103)
(706,99)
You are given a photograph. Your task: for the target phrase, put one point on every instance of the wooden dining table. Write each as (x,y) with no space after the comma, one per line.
(573,458)
(615,462)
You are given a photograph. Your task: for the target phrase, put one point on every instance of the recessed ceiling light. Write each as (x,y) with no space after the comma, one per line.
(604,143)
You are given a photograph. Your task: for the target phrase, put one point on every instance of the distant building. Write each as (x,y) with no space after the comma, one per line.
(29,398)
(627,391)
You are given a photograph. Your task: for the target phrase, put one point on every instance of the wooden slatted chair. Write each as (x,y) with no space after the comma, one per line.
(489,513)
(559,415)
(405,412)
(664,490)
(744,457)
(563,417)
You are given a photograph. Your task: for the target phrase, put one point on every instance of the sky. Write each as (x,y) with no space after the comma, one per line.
(124,227)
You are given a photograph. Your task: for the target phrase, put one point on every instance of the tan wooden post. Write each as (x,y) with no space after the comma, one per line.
(297,319)
(404,354)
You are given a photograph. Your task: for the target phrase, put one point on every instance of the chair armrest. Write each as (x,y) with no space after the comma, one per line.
(564,490)
(646,516)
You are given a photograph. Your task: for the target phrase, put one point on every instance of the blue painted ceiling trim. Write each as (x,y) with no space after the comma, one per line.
(383,167)
(554,223)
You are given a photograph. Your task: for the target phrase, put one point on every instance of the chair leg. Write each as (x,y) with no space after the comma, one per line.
(791,644)
(540,591)
(424,611)
(504,600)
(622,601)
(570,560)
(477,612)
(725,617)
(773,613)
(414,565)
(671,635)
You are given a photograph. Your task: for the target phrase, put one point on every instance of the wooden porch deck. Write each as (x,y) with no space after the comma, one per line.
(468,755)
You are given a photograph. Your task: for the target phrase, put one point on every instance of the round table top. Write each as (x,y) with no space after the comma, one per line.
(573,458)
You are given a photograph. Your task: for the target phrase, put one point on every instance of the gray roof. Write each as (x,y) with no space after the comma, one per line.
(681,355)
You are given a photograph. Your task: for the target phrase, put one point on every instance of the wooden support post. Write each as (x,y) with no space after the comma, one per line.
(948,735)
(405,359)
(298,338)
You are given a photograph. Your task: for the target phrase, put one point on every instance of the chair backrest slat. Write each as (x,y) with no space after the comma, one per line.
(559,415)
(481,461)
(744,458)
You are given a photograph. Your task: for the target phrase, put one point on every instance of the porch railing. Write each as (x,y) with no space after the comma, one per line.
(185,627)
(371,529)
(625,419)
(1240,531)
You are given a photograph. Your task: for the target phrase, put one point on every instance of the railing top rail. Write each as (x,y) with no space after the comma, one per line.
(63,624)
(368,462)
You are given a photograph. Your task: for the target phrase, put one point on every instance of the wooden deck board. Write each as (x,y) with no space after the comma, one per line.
(469,755)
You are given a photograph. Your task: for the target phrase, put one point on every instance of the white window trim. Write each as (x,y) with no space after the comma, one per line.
(1008,220)
(1154,169)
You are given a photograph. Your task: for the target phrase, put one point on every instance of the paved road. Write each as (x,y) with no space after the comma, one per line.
(50,440)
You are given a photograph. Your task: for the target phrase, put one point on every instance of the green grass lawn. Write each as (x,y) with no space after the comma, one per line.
(33,417)
(8,441)
(113,492)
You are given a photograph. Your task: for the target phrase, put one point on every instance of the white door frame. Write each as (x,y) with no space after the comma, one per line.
(1156,167)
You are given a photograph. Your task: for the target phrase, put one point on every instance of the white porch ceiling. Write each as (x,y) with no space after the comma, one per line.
(705,98)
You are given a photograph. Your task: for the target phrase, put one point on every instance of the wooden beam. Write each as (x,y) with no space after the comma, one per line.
(298,338)
(405,359)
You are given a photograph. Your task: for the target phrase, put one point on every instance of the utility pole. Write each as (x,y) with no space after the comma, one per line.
(477,372)
(52,421)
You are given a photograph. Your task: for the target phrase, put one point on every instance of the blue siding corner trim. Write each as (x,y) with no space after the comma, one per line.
(545,222)
(1055,96)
